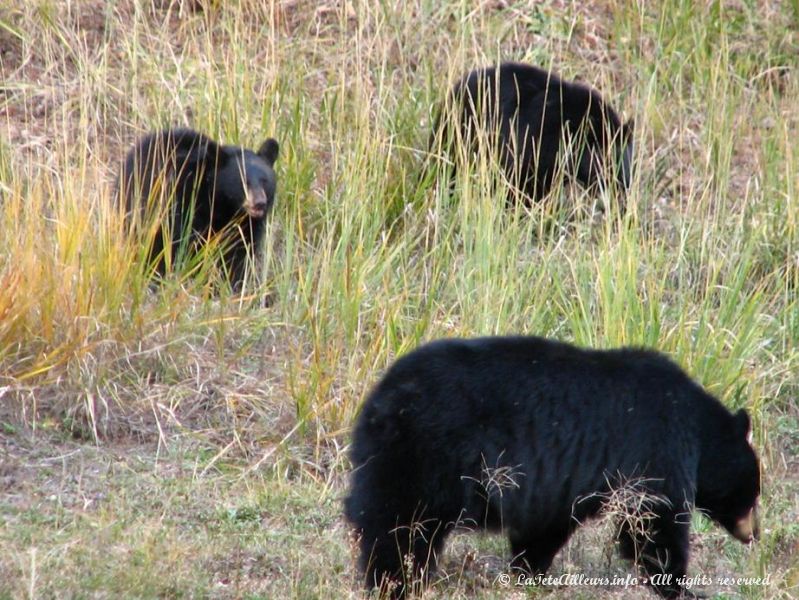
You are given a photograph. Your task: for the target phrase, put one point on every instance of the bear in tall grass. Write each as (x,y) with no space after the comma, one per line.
(192,189)
(533,437)
(534,123)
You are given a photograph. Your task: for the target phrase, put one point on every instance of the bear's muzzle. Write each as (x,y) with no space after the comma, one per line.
(255,204)
(747,529)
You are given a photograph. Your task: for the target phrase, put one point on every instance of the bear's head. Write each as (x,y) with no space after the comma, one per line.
(603,144)
(729,478)
(246,179)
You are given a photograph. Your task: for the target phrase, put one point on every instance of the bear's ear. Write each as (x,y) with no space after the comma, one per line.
(269,150)
(743,426)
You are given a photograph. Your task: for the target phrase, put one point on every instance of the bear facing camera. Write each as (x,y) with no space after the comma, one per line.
(193,189)
(532,437)
(534,124)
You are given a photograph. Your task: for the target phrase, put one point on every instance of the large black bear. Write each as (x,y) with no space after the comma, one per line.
(195,189)
(533,122)
(531,436)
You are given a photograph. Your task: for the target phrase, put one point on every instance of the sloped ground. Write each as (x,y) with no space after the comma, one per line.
(178,444)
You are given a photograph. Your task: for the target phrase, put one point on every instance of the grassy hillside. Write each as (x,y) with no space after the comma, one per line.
(182,443)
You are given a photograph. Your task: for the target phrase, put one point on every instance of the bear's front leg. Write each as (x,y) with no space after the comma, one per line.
(533,554)
(660,550)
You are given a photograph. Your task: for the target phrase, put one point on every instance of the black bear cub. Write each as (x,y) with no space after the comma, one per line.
(533,122)
(531,436)
(209,189)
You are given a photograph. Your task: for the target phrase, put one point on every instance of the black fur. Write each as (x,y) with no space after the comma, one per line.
(211,189)
(556,425)
(532,114)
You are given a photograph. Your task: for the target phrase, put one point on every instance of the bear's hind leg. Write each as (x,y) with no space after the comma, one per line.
(399,560)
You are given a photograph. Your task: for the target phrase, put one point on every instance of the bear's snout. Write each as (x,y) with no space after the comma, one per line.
(747,529)
(256,203)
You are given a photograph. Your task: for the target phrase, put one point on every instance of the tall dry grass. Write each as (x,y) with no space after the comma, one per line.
(368,253)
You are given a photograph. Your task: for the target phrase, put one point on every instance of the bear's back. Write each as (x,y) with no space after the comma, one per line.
(528,397)
(160,156)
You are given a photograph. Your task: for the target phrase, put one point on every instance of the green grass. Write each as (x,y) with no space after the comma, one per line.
(183,443)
